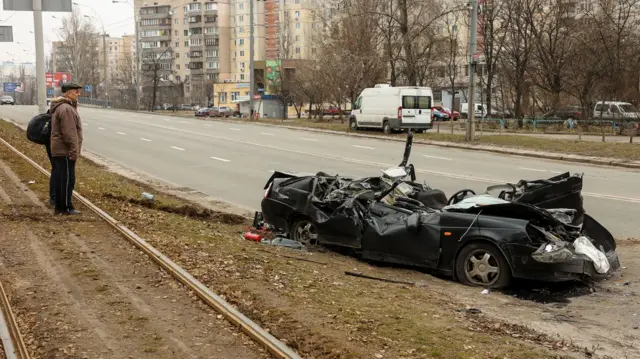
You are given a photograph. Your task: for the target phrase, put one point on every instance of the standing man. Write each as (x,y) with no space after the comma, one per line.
(66,144)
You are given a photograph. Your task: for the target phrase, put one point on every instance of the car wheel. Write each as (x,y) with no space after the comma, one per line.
(304,231)
(483,265)
(386,128)
(353,125)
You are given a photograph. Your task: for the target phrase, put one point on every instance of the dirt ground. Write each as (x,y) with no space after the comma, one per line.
(306,300)
(80,291)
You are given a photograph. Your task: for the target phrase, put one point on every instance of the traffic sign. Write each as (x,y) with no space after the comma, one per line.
(88,88)
(6,34)
(49,92)
(48,5)
(10,86)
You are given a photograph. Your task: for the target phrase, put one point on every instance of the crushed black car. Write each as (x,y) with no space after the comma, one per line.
(531,230)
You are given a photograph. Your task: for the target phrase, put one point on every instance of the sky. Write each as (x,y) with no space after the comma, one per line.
(117,19)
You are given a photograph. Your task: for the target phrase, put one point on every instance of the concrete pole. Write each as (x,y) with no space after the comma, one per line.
(40,71)
(473,31)
(138,95)
(104,46)
(252,83)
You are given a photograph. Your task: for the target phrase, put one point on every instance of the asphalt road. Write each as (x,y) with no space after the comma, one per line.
(232,161)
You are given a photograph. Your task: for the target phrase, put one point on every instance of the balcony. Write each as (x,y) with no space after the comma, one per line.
(197,71)
(211,12)
(213,71)
(196,36)
(161,49)
(157,38)
(195,47)
(212,34)
(154,12)
(195,21)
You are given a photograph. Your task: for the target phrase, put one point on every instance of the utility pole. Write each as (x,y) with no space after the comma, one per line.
(204,50)
(252,81)
(40,74)
(106,82)
(473,60)
(136,18)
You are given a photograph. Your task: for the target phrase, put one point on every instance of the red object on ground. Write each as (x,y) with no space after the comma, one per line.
(252,237)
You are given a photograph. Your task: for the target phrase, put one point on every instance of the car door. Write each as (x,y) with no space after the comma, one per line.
(390,236)
(409,108)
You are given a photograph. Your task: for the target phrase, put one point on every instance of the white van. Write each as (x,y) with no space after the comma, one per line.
(615,110)
(481,110)
(393,108)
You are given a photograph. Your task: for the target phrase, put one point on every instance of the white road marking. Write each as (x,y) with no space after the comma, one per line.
(365,147)
(438,158)
(208,125)
(182,121)
(374,164)
(101,128)
(121,133)
(145,139)
(538,170)
(177,148)
(234,129)
(267,134)
(309,139)
(220,159)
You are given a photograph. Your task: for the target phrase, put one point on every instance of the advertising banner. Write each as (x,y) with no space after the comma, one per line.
(10,87)
(272,75)
(56,79)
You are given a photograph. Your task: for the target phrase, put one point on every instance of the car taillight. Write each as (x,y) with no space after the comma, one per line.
(266,193)
(400,112)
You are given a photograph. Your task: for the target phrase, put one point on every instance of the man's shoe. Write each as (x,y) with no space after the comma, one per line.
(52,202)
(67,212)
(73,212)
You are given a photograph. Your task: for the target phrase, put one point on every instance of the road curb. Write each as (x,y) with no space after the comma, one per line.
(600,161)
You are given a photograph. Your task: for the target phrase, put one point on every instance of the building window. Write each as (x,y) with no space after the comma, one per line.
(241,76)
(186,44)
(177,66)
(194,7)
(241,18)
(297,14)
(241,42)
(297,25)
(241,52)
(297,50)
(177,44)
(235,95)
(211,6)
(176,21)
(212,65)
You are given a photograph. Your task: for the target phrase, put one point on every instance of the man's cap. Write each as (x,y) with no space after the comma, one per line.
(70,86)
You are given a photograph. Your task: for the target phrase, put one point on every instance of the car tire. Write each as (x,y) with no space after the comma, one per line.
(353,125)
(303,231)
(491,268)
(386,128)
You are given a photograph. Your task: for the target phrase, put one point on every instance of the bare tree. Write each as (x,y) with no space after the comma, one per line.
(155,71)
(125,81)
(494,25)
(452,49)
(79,53)
(519,47)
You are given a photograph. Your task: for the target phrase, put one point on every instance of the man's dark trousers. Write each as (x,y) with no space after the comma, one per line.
(52,193)
(64,181)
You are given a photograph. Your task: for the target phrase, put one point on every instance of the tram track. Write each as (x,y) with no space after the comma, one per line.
(260,336)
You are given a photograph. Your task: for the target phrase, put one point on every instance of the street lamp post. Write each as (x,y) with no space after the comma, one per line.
(135,18)
(104,54)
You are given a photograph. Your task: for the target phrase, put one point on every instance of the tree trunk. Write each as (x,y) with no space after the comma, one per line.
(412,76)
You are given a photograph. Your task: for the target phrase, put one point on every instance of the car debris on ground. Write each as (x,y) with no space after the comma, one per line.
(529,230)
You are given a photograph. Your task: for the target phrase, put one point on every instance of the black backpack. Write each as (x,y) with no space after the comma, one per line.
(39,128)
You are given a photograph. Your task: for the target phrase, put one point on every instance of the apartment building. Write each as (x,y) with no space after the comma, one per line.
(186,39)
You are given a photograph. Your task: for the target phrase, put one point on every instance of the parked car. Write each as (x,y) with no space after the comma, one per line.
(393,108)
(454,115)
(439,115)
(221,111)
(203,112)
(481,110)
(7,100)
(565,113)
(611,110)
(531,230)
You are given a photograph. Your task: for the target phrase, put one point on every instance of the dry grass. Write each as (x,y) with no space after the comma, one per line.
(314,308)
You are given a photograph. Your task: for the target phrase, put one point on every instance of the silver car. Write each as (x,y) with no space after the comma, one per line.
(7,100)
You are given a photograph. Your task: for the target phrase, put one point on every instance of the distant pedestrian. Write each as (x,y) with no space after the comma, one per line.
(66,145)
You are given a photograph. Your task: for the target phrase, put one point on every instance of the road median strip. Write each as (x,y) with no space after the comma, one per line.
(314,309)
